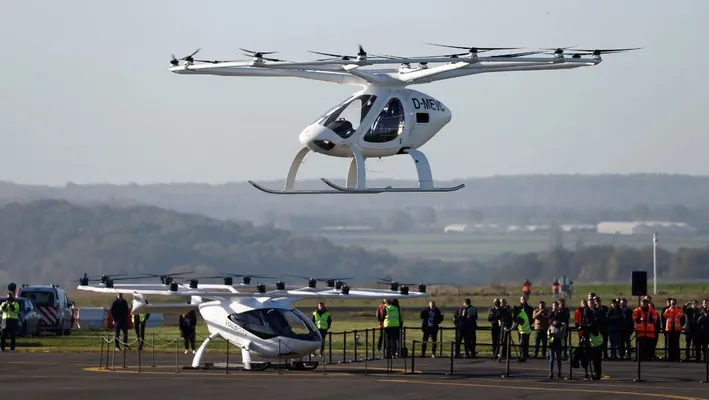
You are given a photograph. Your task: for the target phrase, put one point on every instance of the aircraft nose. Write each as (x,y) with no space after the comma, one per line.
(319,138)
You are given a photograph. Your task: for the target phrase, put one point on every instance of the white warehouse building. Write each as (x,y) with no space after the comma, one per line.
(643,227)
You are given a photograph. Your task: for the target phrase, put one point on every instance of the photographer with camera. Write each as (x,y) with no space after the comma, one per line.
(590,340)
(645,318)
(10,318)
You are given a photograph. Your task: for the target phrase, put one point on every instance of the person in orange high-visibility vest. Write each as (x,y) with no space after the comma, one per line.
(644,318)
(555,289)
(527,288)
(380,318)
(674,321)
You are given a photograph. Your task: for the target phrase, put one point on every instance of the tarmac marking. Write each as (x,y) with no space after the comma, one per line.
(538,389)
(316,372)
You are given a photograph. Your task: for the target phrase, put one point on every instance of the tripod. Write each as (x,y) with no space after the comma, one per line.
(502,345)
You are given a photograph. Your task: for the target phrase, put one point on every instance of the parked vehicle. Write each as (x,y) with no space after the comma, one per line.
(52,303)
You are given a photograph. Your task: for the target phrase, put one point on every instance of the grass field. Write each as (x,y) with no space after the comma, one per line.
(166,340)
(483,246)
(359,315)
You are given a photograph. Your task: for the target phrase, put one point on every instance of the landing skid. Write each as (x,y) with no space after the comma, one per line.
(356,178)
(255,366)
(273,191)
(390,189)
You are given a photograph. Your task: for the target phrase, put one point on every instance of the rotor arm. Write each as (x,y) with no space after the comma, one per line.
(480,69)
(417,76)
(239,69)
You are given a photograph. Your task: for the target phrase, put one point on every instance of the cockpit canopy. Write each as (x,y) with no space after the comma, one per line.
(345,118)
(269,323)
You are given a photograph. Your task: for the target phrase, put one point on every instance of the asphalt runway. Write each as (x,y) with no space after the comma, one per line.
(77,376)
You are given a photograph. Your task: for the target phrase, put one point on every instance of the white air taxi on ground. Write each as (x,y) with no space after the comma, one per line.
(384,118)
(260,322)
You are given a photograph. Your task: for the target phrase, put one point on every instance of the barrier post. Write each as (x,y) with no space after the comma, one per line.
(366,344)
(329,346)
(344,346)
(366,361)
(113,358)
(508,351)
(140,369)
(450,372)
(153,351)
(637,357)
(227,358)
(706,365)
(125,347)
(100,363)
(177,356)
(570,349)
(278,370)
(355,344)
(413,355)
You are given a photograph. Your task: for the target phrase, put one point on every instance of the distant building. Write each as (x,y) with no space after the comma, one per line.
(474,228)
(578,228)
(643,227)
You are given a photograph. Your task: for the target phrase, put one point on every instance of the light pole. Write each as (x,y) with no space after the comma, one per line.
(654,263)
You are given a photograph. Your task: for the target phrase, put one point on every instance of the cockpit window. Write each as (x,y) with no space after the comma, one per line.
(273,322)
(388,125)
(346,118)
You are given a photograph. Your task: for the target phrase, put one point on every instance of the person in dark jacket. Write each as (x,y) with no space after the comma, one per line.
(614,324)
(565,317)
(188,330)
(628,329)
(494,316)
(466,325)
(120,312)
(701,331)
(506,322)
(431,318)
(601,312)
(689,309)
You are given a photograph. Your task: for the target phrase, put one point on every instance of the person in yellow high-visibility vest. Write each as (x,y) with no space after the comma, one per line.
(10,321)
(393,321)
(323,321)
(139,322)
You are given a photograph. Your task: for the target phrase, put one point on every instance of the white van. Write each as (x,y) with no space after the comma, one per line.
(53,305)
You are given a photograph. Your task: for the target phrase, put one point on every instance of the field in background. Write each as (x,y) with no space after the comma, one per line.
(483,246)
(447,297)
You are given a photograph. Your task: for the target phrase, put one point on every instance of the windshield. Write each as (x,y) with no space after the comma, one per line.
(41,299)
(272,322)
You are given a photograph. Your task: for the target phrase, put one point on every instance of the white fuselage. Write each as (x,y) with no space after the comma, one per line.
(259,327)
(379,121)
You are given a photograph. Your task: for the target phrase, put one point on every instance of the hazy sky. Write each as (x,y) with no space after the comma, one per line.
(87,96)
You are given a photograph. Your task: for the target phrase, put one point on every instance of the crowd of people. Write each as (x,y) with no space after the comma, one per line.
(604,332)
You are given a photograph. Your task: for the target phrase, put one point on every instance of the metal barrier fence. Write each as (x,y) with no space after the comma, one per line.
(367,345)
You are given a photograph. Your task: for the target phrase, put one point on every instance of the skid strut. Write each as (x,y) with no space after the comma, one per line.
(356,178)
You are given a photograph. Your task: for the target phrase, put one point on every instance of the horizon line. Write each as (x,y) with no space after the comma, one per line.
(470,178)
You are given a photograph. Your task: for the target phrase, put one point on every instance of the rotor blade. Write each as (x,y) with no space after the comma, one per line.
(473,48)
(526,53)
(609,50)
(258,52)
(191,55)
(330,54)
(601,51)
